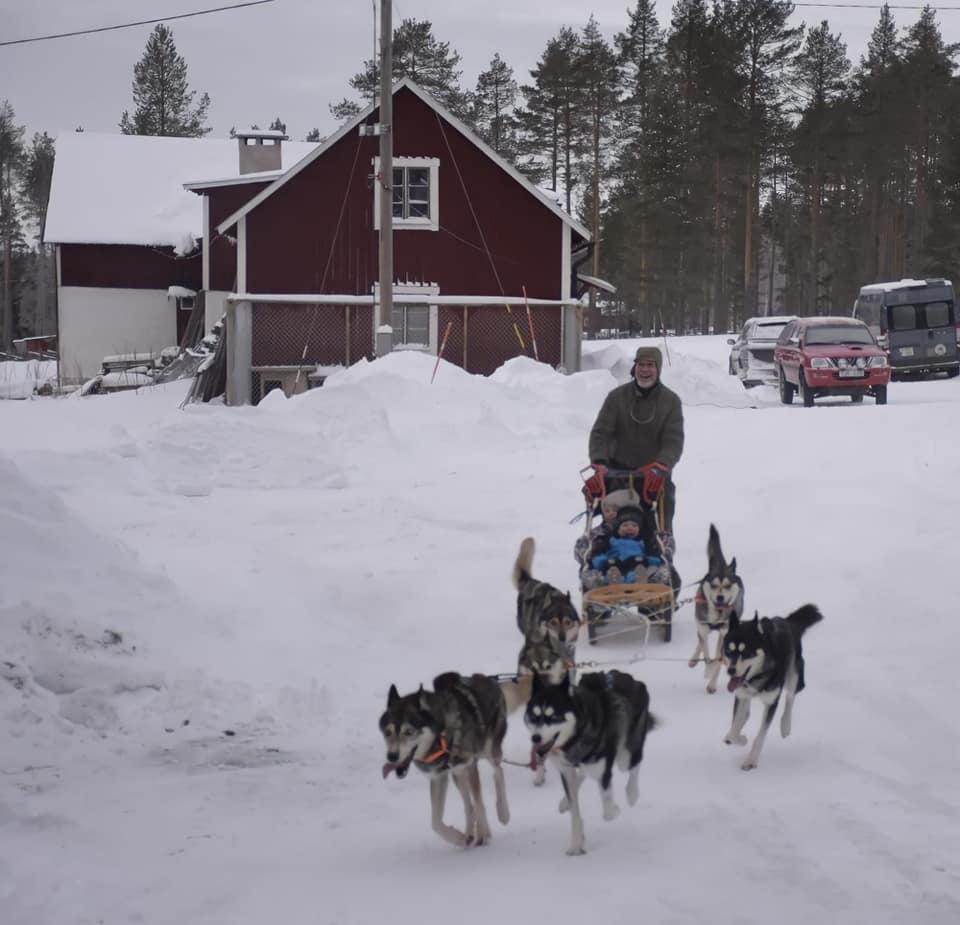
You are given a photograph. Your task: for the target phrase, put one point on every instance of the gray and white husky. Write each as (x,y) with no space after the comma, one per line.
(719,597)
(444,732)
(585,729)
(765,659)
(542,609)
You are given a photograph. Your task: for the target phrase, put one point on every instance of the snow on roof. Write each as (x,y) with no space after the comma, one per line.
(128,189)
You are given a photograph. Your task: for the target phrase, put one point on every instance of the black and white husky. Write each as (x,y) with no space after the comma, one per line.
(585,729)
(765,660)
(719,598)
(443,733)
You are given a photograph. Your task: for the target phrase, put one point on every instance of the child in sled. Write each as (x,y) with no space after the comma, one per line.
(629,553)
(597,538)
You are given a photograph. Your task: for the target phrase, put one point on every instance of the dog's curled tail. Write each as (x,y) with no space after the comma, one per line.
(516,691)
(805,617)
(521,568)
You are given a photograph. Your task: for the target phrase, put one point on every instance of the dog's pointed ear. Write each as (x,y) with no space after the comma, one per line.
(392,695)
(734,620)
(756,617)
(422,699)
(733,566)
(569,601)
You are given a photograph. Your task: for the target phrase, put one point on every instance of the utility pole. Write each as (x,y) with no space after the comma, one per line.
(384,341)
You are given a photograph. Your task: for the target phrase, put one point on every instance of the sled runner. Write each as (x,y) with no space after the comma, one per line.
(643,604)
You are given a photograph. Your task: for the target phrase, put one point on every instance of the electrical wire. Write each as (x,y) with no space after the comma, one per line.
(130,25)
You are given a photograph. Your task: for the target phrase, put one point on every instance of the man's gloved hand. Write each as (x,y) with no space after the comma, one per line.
(596,485)
(654,475)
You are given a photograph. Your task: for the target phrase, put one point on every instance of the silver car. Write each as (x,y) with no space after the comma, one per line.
(751,354)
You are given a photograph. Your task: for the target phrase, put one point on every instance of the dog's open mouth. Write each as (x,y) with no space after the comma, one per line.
(734,682)
(539,751)
(400,767)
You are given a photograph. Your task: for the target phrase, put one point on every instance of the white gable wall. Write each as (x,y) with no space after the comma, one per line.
(95,323)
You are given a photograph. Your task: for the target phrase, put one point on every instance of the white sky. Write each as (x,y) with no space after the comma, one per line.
(290,58)
(272,570)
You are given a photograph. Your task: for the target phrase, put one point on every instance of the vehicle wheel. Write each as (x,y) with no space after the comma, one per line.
(856,398)
(806,395)
(880,394)
(786,388)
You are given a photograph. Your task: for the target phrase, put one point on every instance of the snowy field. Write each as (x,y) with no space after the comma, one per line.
(201,612)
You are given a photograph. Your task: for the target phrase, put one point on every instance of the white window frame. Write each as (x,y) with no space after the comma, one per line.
(425,289)
(431,223)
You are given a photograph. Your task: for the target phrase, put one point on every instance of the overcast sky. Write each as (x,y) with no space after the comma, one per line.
(290,58)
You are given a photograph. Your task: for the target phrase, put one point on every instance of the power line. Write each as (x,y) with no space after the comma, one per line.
(878,6)
(129,25)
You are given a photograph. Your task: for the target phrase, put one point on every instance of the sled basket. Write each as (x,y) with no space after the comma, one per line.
(650,604)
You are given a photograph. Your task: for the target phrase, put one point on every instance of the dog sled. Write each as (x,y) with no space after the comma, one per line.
(644,605)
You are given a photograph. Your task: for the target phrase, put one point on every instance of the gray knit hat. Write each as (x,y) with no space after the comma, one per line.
(650,353)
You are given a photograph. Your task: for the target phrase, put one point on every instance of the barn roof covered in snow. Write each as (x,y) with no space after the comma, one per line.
(129,189)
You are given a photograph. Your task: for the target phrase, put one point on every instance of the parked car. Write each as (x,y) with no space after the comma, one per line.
(751,354)
(830,356)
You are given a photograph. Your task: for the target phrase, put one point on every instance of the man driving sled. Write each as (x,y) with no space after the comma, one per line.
(640,428)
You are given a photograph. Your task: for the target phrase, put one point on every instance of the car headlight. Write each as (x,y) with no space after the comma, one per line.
(820,363)
(877,361)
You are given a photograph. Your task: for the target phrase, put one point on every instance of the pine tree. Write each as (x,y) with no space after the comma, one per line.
(820,72)
(38,313)
(492,106)
(551,122)
(161,94)
(11,235)
(417,54)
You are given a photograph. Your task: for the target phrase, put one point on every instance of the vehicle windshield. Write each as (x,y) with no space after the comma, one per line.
(768,331)
(838,334)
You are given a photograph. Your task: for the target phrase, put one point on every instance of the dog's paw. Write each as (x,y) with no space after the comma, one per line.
(610,811)
(633,792)
(748,765)
(732,739)
(693,662)
(575,850)
(540,775)
(564,805)
(784,725)
(712,687)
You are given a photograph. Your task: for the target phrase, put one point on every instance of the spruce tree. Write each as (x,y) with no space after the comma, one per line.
(161,94)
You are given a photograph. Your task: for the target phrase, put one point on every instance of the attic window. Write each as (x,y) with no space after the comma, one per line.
(415,193)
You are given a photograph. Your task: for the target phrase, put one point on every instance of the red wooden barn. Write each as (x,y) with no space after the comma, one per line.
(479,251)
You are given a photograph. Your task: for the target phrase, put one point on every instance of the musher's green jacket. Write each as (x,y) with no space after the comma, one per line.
(638,426)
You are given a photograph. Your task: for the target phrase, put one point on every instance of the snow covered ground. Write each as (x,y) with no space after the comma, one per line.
(201,612)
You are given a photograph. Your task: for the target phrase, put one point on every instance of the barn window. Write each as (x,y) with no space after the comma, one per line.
(414,192)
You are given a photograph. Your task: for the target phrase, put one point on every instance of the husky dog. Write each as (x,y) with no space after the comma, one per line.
(443,733)
(542,609)
(547,660)
(585,729)
(719,598)
(765,660)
